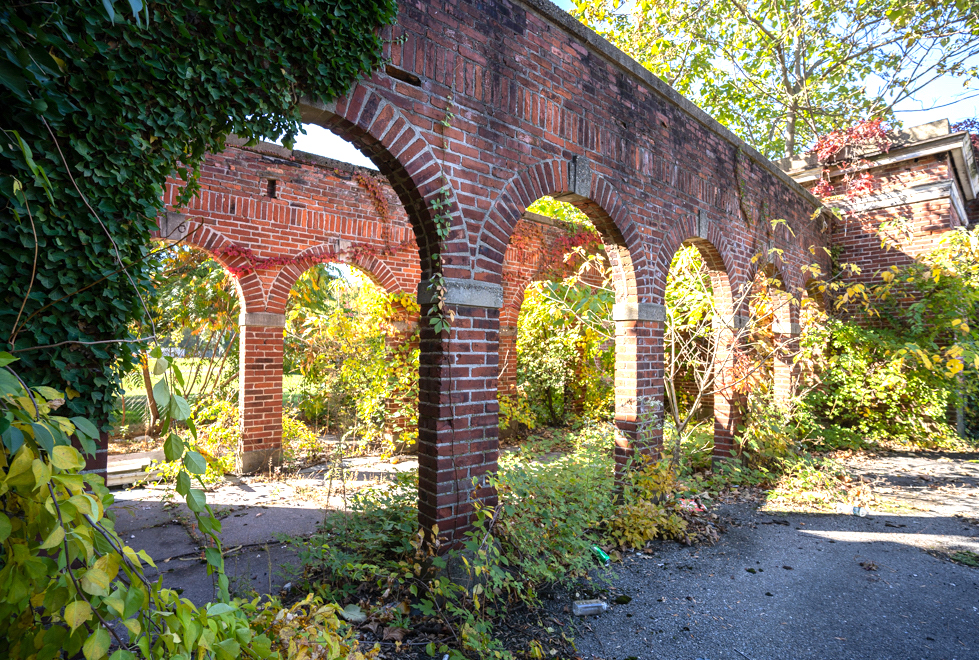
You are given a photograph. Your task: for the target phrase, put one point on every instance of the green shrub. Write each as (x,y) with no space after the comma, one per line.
(649,506)
(565,357)
(71,585)
(551,509)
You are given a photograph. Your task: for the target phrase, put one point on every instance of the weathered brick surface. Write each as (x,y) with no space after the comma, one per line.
(917,227)
(536,104)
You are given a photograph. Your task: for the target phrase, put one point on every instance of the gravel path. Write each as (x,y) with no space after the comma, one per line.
(805,586)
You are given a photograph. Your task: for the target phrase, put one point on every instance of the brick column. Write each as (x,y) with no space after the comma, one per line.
(728,403)
(786,331)
(508,359)
(457,408)
(260,398)
(638,380)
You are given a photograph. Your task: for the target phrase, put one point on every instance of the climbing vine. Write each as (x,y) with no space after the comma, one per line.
(102,102)
(839,152)
(440,317)
(373,188)
(442,219)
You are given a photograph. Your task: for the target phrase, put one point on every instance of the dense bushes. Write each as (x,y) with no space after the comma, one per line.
(338,327)
(896,355)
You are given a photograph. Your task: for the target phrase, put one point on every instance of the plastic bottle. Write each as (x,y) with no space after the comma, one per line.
(589,607)
(853,510)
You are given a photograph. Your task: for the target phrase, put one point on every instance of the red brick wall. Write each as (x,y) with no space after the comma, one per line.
(530,98)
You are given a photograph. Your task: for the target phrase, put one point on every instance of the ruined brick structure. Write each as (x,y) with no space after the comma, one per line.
(924,185)
(268,214)
(535,104)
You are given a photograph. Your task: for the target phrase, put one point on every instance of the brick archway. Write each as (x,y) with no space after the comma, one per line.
(401,153)
(525,101)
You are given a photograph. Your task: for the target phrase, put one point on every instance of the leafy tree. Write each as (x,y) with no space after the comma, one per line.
(779,74)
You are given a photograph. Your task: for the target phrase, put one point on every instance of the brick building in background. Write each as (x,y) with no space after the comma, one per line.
(924,185)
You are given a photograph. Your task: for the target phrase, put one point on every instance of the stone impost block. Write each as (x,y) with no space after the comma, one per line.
(464,293)
(736,321)
(263,319)
(579,175)
(703,223)
(628,311)
(781,328)
(173,226)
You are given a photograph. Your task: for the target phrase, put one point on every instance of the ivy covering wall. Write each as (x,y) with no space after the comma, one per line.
(101,102)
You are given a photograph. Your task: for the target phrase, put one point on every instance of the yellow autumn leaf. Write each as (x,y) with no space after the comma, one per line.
(67,458)
(77,613)
(95,582)
(56,536)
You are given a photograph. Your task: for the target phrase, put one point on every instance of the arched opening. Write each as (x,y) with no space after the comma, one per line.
(700,334)
(557,336)
(457,410)
(350,366)
(195,318)
(637,324)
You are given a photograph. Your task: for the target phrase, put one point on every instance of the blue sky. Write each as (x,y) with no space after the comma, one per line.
(943,93)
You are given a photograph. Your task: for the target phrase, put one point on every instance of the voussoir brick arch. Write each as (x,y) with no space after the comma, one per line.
(724,269)
(623,244)
(251,293)
(379,129)
(375,269)
(714,248)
